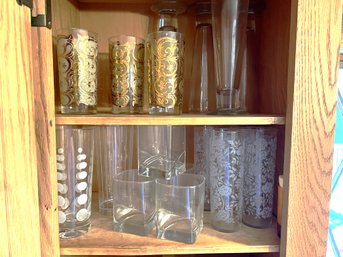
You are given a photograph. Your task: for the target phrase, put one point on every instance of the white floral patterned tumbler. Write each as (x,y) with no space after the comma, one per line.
(259,172)
(74,174)
(226,178)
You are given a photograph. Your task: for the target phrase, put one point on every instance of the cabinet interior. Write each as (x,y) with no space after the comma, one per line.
(134,17)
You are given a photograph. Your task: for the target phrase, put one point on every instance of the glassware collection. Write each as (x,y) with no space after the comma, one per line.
(144,180)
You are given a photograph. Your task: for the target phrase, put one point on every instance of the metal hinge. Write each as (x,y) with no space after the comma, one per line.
(41,20)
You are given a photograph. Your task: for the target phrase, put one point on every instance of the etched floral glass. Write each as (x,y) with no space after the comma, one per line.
(259,171)
(226,178)
(201,167)
(77,51)
(74,179)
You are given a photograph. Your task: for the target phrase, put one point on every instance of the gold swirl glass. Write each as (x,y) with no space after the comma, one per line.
(164,56)
(126,54)
(77,51)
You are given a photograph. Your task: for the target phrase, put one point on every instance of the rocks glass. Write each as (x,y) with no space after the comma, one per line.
(74,174)
(180,207)
(133,203)
(259,172)
(77,51)
(226,178)
(126,54)
(164,67)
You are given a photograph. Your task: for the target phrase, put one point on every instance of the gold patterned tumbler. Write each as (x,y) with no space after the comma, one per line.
(77,51)
(164,72)
(126,54)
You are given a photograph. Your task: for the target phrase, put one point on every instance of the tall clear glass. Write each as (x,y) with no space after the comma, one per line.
(259,172)
(114,154)
(75,151)
(202,93)
(226,178)
(77,51)
(229,20)
(161,151)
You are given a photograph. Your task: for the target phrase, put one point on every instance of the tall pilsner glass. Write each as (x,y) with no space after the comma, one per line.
(229,21)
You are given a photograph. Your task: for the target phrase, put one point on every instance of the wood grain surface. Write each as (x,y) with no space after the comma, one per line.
(310,126)
(184,119)
(102,240)
(45,139)
(19,212)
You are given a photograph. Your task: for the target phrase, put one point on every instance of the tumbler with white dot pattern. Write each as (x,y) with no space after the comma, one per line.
(74,156)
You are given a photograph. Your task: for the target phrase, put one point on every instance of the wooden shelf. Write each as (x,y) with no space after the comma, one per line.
(184,119)
(102,240)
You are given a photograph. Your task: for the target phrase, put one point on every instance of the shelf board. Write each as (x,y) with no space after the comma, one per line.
(102,240)
(184,119)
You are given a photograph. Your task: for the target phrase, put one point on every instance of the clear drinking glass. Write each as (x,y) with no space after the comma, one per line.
(133,203)
(77,51)
(226,178)
(202,88)
(161,151)
(259,171)
(74,174)
(229,20)
(201,167)
(164,69)
(114,154)
(180,207)
(167,11)
(126,54)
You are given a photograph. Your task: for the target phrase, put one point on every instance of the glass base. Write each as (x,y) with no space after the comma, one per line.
(136,229)
(78,109)
(188,237)
(106,207)
(254,222)
(128,110)
(165,110)
(226,227)
(77,230)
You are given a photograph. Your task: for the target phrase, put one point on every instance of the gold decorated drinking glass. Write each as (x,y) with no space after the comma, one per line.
(165,72)
(126,54)
(77,51)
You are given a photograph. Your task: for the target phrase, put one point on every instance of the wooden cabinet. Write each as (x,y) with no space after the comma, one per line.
(298,59)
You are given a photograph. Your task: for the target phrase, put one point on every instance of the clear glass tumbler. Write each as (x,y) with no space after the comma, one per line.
(74,174)
(229,20)
(114,154)
(180,207)
(259,172)
(226,178)
(161,151)
(133,203)
(126,54)
(164,69)
(77,51)
(202,93)
(201,167)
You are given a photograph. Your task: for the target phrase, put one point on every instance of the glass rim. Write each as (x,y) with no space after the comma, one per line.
(162,181)
(174,34)
(117,178)
(130,37)
(62,31)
